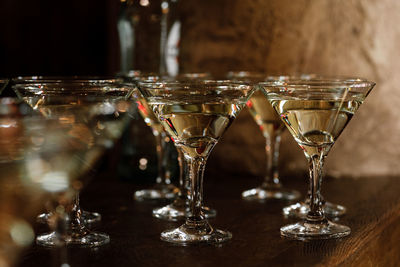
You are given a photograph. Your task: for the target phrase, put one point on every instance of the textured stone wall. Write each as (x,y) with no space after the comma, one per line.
(347,37)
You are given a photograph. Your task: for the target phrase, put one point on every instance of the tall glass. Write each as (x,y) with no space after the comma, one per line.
(96,112)
(316,111)
(272,128)
(196,114)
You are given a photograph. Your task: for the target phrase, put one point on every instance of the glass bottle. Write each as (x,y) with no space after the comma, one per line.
(149,33)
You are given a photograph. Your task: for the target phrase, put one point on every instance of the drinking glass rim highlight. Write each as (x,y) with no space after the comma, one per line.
(316,82)
(70,86)
(317,88)
(293,78)
(197,84)
(66,78)
(73,79)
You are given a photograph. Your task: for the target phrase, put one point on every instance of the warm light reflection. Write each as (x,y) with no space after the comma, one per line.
(39,171)
(123,106)
(67,119)
(164,6)
(144,2)
(21,233)
(143,164)
(8,123)
(55,181)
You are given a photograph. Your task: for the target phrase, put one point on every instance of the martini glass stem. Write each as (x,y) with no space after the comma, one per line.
(76,225)
(272,145)
(162,158)
(196,172)
(181,171)
(183,183)
(316,212)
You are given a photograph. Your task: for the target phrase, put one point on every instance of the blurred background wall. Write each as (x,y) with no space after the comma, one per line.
(347,37)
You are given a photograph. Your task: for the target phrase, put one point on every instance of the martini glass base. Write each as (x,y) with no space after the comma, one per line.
(186,235)
(300,210)
(87,217)
(91,239)
(260,193)
(178,211)
(315,230)
(158,192)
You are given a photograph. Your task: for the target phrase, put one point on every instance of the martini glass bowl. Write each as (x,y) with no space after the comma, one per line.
(316,111)
(196,114)
(96,110)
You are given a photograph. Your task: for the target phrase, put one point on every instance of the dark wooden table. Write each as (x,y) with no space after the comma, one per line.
(373,215)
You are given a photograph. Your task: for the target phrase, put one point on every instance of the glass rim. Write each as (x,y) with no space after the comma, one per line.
(297,78)
(71,86)
(317,82)
(74,79)
(188,84)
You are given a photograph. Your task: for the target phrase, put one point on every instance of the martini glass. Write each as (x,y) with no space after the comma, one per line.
(97,89)
(196,114)
(36,157)
(179,209)
(163,189)
(316,111)
(86,216)
(272,128)
(301,208)
(97,111)
(20,197)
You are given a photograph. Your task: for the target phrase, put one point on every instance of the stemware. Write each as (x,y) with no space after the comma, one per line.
(36,154)
(179,208)
(272,128)
(96,110)
(316,111)
(300,209)
(196,114)
(163,189)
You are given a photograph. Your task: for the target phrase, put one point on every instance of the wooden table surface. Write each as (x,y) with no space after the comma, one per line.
(373,215)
